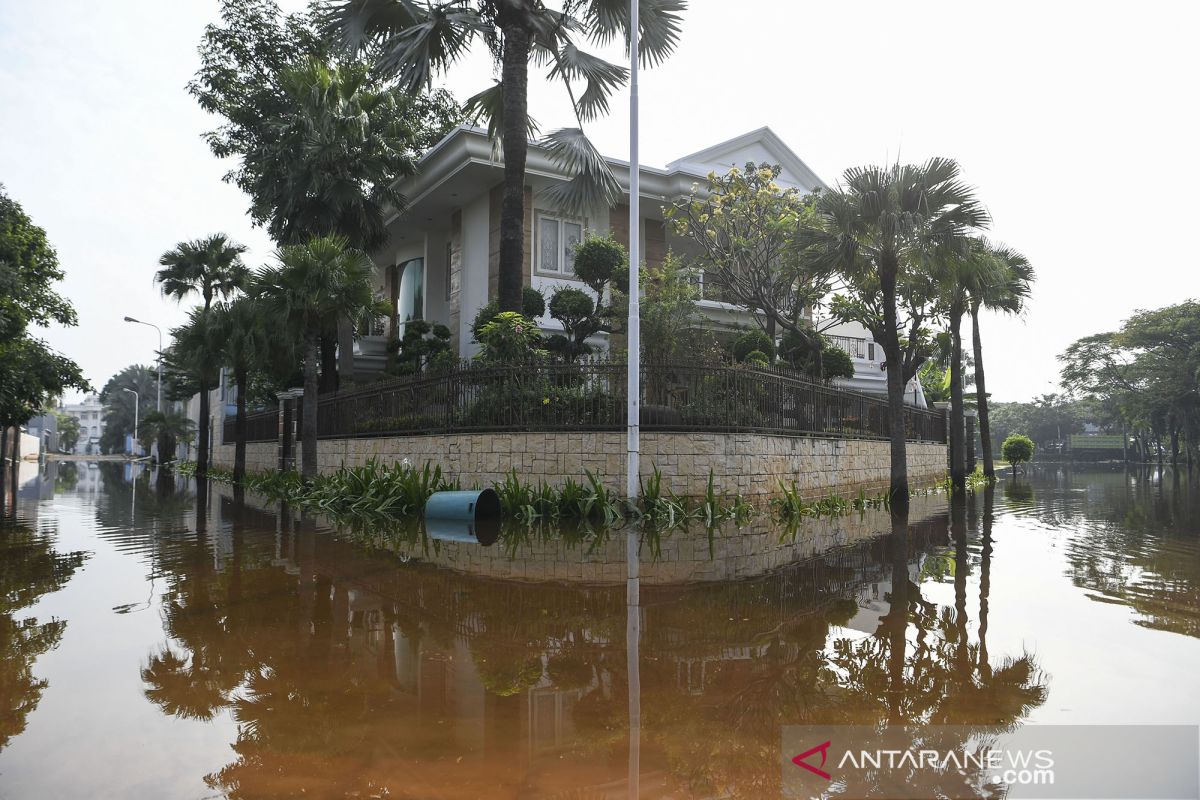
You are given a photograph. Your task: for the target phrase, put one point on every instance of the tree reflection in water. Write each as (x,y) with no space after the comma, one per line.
(30,567)
(347,671)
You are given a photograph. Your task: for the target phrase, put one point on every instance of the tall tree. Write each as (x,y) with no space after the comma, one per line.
(961,266)
(31,374)
(1008,295)
(119,405)
(744,227)
(312,283)
(415,42)
(319,142)
(881,229)
(241,330)
(212,268)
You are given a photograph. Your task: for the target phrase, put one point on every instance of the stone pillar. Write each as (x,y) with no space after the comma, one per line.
(286,448)
(971,415)
(944,407)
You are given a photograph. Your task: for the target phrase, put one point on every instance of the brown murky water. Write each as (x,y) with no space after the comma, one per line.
(156,646)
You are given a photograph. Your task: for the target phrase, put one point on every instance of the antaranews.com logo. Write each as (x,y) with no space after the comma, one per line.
(1036,761)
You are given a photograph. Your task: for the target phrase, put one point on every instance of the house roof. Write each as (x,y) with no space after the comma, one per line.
(464,156)
(751,146)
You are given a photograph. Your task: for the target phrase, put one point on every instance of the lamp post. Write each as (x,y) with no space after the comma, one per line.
(633,327)
(137,402)
(158,404)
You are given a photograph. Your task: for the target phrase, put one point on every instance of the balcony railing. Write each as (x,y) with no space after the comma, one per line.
(855,347)
(590,395)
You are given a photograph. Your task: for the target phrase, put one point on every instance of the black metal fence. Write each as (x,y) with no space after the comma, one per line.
(261,426)
(590,395)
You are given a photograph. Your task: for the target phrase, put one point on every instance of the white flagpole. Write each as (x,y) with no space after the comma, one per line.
(633,388)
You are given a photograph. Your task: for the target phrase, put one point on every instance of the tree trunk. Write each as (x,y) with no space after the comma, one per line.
(239,426)
(985,427)
(958,449)
(329,373)
(1174,446)
(514,137)
(889,269)
(308,421)
(202,434)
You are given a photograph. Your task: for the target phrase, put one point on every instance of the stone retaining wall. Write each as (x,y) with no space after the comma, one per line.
(748,464)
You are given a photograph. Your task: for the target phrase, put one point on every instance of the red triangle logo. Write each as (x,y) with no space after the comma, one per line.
(799,760)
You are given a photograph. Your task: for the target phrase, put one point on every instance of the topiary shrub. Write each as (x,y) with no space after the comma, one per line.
(601,260)
(837,363)
(754,341)
(1017,449)
(533,305)
(756,358)
(577,312)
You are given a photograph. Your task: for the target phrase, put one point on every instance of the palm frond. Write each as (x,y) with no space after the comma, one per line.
(659,25)
(593,185)
(488,106)
(601,78)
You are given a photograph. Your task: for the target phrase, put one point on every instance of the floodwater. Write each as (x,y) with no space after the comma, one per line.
(161,645)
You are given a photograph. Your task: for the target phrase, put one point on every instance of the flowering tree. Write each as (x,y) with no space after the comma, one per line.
(744,227)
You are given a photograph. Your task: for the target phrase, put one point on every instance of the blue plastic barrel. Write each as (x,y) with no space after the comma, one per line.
(464,516)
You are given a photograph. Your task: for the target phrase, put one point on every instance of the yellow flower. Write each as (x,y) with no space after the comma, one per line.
(545,401)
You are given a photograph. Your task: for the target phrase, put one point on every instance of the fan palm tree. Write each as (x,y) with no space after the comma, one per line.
(1007,294)
(415,41)
(970,265)
(168,428)
(313,282)
(883,229)
(241,328)
(211,267)
(193,365)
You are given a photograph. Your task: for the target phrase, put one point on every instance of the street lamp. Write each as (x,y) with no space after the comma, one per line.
(158,405)
(137,402)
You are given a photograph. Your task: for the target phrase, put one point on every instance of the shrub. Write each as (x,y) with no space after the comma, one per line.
(1017,449)
(754,341)
(533,305)
(509,337)
(837,363)
(601,260)
(580,318)
(756,358)
(422,343)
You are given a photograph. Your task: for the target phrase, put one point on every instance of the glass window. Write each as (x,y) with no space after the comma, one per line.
(548,254)
(556,241)
(410,297)
(572,235)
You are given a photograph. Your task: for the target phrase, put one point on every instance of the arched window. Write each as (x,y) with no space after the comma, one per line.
(408,289)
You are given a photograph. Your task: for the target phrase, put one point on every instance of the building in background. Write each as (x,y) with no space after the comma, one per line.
(89,413)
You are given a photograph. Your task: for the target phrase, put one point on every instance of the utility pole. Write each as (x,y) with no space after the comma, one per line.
(137,402)
(633,387)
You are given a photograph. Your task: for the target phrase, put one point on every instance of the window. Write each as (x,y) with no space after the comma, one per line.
(410,292)
(556,240)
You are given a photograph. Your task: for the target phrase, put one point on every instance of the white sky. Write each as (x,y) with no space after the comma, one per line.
(1072,119)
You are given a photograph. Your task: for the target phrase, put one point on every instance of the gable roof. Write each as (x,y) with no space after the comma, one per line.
(759,145)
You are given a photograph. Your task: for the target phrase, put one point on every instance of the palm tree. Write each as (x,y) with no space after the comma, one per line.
(168,428)
(210,267)
(883,229)
(240,326)
(312,283)
(415,41)
(972,265)
(192,364)
(1008,294)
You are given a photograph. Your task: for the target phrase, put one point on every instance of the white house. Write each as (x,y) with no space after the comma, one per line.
(442,259)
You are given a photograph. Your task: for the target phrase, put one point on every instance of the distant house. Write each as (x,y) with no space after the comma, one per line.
(89,413)
(442,260)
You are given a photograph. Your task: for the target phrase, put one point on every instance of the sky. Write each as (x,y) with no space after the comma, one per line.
(1067,117)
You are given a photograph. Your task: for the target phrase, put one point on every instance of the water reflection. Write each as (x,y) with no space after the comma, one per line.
(360,661)
(30,567)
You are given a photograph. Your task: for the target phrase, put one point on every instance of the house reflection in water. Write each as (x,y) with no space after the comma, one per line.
(359,662)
